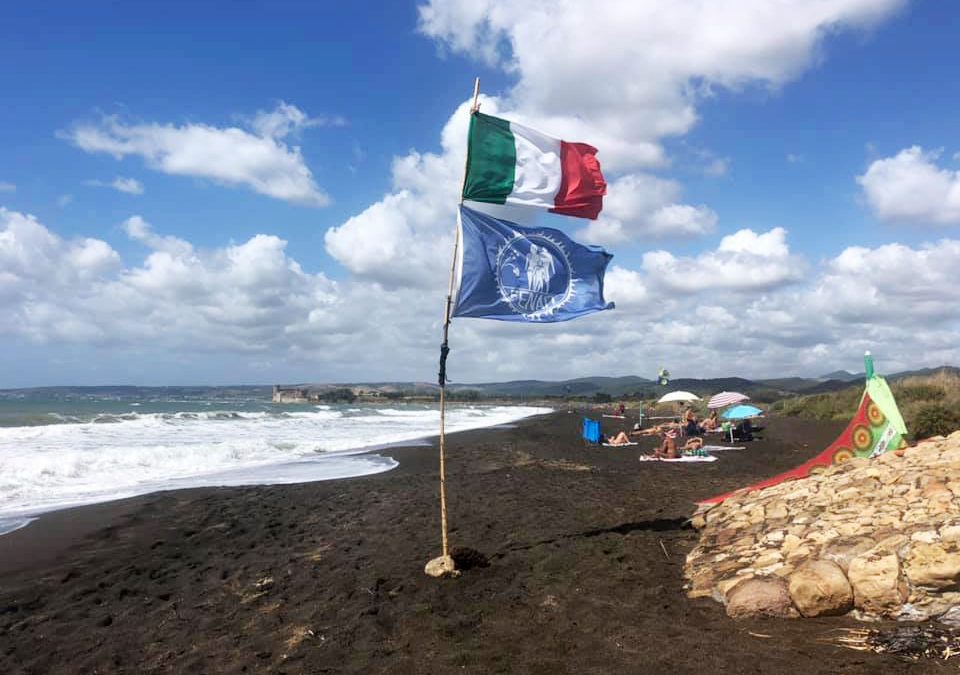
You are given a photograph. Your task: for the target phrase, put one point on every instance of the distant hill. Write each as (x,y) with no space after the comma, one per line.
(926,372)
(632,386)
(763,391)
(842,375)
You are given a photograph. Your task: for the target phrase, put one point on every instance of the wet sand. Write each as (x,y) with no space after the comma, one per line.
(585,548)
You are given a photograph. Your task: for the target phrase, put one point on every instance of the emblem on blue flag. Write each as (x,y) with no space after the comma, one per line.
(513,273)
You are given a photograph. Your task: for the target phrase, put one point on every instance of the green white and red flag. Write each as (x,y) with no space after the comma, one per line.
(508,163)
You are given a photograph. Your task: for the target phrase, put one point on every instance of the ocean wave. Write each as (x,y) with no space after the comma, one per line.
(116,454)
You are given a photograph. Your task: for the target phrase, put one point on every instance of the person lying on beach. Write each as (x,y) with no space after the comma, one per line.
(619,439)
(692,444)
(653,431)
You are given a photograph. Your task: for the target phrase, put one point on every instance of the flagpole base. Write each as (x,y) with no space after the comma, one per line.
(442,567)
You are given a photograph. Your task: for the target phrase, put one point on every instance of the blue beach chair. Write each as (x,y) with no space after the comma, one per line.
(591,430)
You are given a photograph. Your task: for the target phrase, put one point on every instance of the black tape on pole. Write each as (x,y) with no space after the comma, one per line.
(444,350)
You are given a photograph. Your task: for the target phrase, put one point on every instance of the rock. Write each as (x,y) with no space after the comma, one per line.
(950,533)
(777,510)
(842,551)
(790,543)
(881,536)
(951,617)
(800,552)
(876,582)
(933,566)
(819,588)
(925,537)
(724,587)
(774,537)
(756,515)
(760,597)
(769,557)
(441,567)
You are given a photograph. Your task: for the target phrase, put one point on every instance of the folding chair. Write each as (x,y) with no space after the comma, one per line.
(591,431)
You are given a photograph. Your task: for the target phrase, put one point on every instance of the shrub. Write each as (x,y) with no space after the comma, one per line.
(919,392)
(341,394)
(934,419)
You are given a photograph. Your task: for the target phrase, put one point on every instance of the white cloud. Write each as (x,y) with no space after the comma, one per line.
(130,186)
(64,201)
(910,187)
(745,262)
(641,206)
(657,65)
(633,73)
(7,187)
(400,239)
(258,160)
(727,309)
(863,284)
(794,158)
(287,119)
(719,166)
(242,297)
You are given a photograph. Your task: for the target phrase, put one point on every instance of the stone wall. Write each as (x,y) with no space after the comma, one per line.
(879,538)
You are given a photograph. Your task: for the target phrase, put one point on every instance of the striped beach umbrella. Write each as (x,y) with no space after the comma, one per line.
(725,398)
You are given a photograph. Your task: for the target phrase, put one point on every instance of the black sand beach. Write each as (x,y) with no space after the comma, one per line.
(585,550)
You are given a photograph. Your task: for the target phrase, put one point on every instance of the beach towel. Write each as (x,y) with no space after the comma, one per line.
(617,417)
(618,445)
(714,448)
(691,458)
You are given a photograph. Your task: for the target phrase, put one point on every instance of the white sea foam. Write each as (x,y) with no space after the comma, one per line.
(116,455)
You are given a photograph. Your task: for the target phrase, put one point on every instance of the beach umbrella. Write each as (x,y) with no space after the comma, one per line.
(680,396)
(725,398)
(741,412)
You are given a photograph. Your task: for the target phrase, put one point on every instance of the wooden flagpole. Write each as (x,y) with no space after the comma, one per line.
(445,565)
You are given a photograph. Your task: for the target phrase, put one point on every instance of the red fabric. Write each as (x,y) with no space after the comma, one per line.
(839,451)
(582,185)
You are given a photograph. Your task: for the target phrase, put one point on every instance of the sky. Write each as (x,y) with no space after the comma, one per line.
(260,192)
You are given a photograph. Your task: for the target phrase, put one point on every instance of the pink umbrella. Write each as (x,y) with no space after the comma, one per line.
(725,398)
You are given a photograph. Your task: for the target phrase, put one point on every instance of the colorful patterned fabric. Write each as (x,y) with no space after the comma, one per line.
(876,428)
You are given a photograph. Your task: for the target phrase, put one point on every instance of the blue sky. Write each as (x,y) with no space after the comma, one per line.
(783,187)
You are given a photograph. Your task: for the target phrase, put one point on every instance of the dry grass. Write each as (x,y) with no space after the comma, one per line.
(930,404)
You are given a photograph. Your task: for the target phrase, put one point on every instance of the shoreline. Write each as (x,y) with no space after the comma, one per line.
(58,529)
(281,473)
(585,548)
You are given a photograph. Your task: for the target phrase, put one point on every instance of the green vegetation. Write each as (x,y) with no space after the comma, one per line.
(930,404)
(339,395)
(934,419)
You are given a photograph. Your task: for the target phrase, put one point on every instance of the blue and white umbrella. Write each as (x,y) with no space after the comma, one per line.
(741,412)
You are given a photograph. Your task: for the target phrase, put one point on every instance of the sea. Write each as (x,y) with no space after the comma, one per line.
(64,447)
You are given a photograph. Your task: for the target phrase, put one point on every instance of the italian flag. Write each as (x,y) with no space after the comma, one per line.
(508,163)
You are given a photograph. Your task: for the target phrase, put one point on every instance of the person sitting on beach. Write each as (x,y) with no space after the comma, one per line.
(690,425)
(668,447)
(712,423)
(619,439)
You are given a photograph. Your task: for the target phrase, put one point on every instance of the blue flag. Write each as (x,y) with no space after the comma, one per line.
(514,273)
